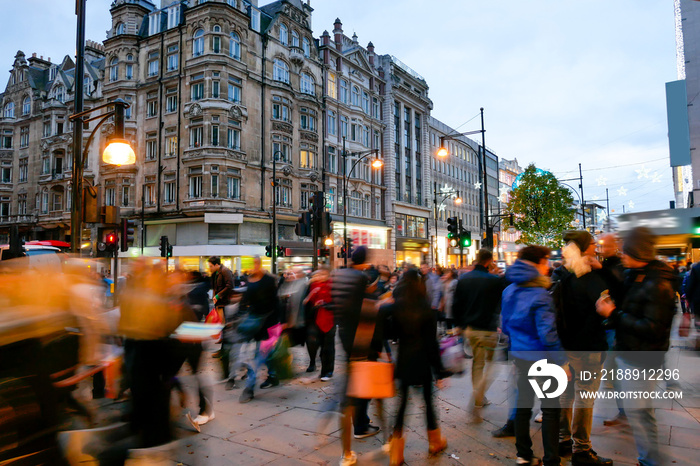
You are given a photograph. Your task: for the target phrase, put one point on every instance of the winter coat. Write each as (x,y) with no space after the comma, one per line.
(477,299)
(414,324)
(348,289)
(643,322)
(260,299)
(614,274)
(580,327)
(198,298)
(222,286)
(528,316)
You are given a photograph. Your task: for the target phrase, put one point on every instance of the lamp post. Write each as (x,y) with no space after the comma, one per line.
(377,164)
(583,207)
(447,194)
(273,252)
(483,177)
(118,152)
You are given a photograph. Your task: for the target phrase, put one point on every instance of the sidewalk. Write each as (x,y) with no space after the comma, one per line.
(280,425)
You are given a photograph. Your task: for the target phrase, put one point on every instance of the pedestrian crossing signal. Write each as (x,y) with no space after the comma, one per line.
(268,251)
(466,239)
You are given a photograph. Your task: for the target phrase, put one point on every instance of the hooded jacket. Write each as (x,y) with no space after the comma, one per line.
(643,322)
(528,316)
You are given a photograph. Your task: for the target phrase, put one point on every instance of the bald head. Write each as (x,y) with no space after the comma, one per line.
(608,245)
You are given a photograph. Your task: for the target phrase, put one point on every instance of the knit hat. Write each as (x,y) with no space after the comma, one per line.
(359,255)
(582,238)
(639,244)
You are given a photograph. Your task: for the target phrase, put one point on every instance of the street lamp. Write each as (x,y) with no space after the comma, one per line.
(118,152)
(483,178)
(446,194)
(273,255)
(377,163)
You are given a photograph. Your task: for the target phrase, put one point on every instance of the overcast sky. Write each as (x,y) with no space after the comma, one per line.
(561,82)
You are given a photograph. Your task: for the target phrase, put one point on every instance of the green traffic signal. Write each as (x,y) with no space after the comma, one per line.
(466,242)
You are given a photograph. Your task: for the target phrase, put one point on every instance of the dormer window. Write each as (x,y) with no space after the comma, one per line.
(154,23)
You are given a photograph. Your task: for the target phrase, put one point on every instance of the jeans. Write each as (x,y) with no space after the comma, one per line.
(315,338)
(576,419)
(640,414)
(550,419)
(483,344)
(253,367)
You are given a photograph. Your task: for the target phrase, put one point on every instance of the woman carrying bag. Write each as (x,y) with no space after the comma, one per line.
(411,321)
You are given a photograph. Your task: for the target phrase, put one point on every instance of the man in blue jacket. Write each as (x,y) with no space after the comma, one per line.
(528,318)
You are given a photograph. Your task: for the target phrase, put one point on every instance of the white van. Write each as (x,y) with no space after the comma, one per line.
(38,255)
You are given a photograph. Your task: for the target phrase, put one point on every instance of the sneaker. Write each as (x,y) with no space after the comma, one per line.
(538,418)
(583,458)
(270,382)
(371,430)
(620,418)
(348,460)
(484,403)
(246,395)
(230,384)
(326,377)
(508,430)
(534,461)
(311,368)
(194,425)
(204,418)
(565,447)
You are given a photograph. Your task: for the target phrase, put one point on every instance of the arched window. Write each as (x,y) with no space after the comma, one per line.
(216,40)
(307,84)
(356,96)
(129,67)
(26,106)
(295,39)
(234,47)
(114,69)
(280,71)
(198,43)
(120,29)
(9,111)
(306,45)
(217,28)
(284,37)
(365,102)
(60,93)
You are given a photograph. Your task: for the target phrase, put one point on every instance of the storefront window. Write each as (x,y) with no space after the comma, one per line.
(400,225)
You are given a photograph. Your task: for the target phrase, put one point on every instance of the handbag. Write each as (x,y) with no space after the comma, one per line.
(368,379)
(452,354)
(684,326)
(252,324)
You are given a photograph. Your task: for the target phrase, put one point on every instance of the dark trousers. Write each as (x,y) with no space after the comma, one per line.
(523,413)
(431,420)
(315,339)
(192,354)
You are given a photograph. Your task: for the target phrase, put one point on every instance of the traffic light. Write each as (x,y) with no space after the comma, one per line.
(342,252)
(169,252)
(452,228)
(280,251)
(268,251)
(303,226)
(163,246)
(325,228)
(318,203)
(454,242)
(323,252)
(127,233)
(696,226)
(465,239)
(111,241)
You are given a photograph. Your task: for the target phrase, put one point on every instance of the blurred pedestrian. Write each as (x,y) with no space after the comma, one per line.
(221,285)
(529,320)
(432,285)
(582,335)
(231,340)
(643,325)
(261,304)
(199,294)
(349,288)
(449,285)
(320,326)
(476,309)
(411,321)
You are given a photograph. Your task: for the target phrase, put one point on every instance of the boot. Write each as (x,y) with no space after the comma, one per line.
(396,446)
(436,441)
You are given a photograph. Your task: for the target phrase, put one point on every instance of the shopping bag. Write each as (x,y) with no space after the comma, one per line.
(370,380)
(280,359)
(452,354)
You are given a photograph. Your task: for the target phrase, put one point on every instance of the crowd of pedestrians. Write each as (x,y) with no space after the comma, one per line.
(608,305)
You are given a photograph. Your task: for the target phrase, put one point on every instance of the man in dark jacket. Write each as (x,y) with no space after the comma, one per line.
(476,308)
(349,287)
(221,282)
(643,325)
(582,335)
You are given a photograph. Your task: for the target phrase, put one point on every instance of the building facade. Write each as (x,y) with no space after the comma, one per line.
(507,249)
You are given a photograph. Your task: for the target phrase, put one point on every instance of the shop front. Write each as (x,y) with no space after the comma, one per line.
(412,244)
(374,237)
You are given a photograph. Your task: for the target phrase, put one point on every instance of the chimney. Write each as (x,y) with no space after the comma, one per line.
(326,42)
(338,33)
(370,53)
